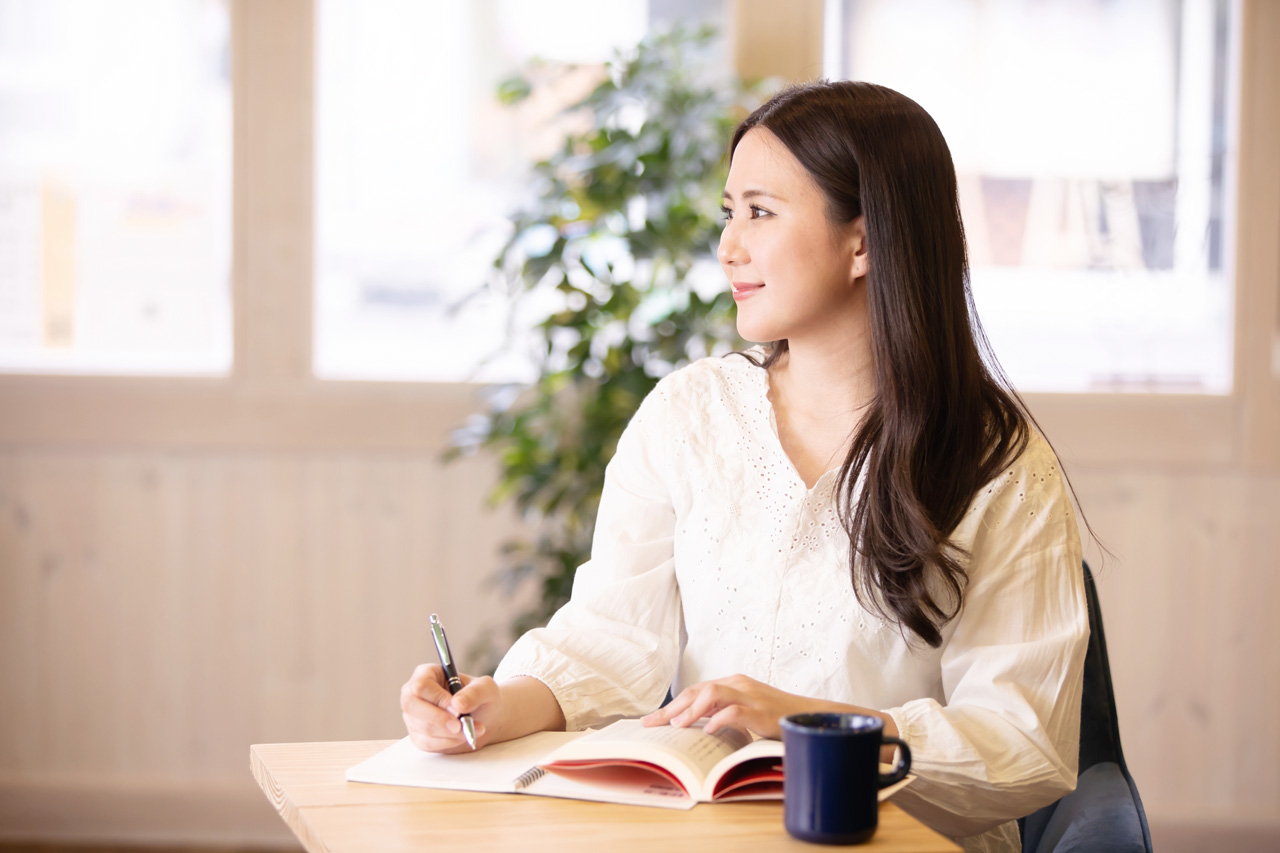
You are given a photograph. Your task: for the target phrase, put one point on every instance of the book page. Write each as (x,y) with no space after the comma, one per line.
(765,757)
(494,769)
(688,753)
(626,784)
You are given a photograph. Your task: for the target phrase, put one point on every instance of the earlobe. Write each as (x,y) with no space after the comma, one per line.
(861,259)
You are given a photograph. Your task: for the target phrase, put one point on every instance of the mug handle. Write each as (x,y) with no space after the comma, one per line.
(904,762)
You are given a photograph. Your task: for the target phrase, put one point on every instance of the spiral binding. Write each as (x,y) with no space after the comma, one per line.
(528,777)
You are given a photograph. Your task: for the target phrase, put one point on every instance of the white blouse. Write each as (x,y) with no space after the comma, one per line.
(712,558)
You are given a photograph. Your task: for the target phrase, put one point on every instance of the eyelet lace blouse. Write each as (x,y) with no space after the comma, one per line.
(711,558)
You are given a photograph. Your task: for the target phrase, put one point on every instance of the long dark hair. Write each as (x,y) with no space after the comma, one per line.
(943,421)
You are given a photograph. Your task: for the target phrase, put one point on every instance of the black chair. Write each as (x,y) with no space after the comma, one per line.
(1104,813)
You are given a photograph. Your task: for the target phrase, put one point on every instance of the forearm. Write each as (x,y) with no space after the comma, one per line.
(528,706)
(975,768)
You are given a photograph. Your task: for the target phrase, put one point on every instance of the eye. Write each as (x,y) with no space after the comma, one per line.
(758,212)
(725,213)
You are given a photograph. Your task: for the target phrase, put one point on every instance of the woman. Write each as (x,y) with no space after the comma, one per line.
(857,517)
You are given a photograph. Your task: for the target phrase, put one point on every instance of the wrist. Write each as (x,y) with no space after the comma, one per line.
(527,705)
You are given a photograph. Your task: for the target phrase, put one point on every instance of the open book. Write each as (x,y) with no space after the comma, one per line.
(621,763)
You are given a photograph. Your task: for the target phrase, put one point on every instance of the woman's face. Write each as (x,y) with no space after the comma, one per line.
(793,272)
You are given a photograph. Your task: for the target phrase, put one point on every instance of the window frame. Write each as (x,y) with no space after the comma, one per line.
(272,401)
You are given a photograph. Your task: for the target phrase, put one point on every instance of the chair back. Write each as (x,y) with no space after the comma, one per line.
(1099,725)
(1104,813)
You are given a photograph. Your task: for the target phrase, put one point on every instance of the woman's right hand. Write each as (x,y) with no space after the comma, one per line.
(431,713)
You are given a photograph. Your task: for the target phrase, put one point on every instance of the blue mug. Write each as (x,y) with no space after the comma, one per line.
(831,776)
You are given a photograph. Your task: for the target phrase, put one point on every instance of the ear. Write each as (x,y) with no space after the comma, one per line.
(857,235)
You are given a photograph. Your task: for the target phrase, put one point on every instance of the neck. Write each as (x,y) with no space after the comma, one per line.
(828,377)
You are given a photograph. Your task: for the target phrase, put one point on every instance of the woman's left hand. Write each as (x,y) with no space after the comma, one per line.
(734,701)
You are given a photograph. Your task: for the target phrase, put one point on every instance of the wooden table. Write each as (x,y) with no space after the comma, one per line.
(305,782)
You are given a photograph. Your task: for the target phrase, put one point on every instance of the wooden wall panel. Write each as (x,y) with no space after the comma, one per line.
(22,625)
(1188,600)
(159,613)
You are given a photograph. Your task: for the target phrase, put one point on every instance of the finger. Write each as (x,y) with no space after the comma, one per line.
(663,715)
(448,745)
(738,716)
(432,717)
(423,691)
(450,731)
(413,705)
(428,681)
(475,693)
(711,698)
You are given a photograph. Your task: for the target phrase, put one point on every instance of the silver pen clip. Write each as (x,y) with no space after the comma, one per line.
(442,644)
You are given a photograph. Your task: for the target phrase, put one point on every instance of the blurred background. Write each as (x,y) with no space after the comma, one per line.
(241,254)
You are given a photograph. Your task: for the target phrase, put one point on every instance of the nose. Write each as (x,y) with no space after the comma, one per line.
(731,251)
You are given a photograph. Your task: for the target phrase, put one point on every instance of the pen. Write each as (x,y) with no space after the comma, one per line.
(451,673)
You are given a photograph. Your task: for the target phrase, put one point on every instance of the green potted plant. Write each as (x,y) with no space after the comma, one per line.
(620,238)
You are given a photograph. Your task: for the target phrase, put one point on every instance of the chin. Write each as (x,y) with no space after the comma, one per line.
(754,333)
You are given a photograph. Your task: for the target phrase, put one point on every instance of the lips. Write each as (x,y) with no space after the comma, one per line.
(744,290)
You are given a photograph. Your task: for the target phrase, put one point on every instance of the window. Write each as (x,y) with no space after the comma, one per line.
(115,187)
(272,400)
(1092,148)
(418,165)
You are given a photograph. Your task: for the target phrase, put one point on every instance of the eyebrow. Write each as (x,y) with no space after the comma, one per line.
(750,194)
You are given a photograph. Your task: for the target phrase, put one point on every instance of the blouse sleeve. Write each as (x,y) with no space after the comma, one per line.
(612,650)
(1006,741)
